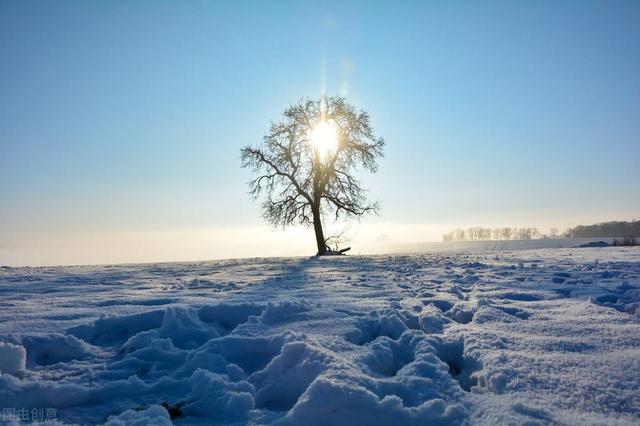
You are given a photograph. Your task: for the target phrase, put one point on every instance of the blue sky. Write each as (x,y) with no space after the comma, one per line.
(123,120)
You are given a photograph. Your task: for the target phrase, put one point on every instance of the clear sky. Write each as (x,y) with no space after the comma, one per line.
(121,122)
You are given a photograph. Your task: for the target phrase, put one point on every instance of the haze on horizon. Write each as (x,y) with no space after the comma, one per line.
(121,122)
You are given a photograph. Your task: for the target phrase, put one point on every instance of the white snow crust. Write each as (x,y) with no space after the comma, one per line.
(545,336)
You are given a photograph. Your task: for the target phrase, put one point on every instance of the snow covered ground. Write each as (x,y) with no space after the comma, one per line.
(547,336)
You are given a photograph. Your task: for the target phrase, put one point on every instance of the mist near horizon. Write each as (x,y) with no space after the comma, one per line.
(88,248)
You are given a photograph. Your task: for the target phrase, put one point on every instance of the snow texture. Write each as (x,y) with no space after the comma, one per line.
(545,336)
(12,358)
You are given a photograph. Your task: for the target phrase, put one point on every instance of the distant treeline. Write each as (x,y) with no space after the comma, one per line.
(606,230)
(478,233)
(599,230)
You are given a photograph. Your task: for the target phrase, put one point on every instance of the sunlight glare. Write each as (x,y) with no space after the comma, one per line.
(324,138)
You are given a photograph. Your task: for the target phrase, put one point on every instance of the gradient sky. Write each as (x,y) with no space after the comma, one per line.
(121,122)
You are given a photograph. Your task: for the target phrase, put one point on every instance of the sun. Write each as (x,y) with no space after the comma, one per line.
(324,138)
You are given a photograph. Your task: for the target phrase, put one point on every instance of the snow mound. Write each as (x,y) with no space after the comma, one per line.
(432,320)
(212,395)
(248,353)
(387,357)
(285,311)
(226,317)
(349,405)
(181,325)
(287,376)
(12,358)
(389,322)
(626,299)
(117,329)
(152,416)
(594,244)
(52,348)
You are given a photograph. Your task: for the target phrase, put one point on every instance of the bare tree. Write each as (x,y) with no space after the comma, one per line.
(305,167)
(470,234)
(534,233)
(507,233)
(553,233)
(524,233)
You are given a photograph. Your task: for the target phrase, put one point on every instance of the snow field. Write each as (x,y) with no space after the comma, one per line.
(533,337)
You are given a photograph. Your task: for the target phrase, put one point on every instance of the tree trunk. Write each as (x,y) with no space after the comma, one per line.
(317,227)
(315,206)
